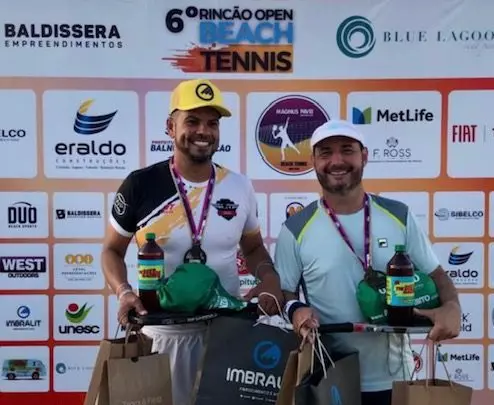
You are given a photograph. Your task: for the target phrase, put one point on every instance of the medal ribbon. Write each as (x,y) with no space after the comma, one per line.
(366,263)
(196,230)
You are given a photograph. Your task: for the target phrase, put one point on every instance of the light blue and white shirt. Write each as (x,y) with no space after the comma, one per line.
(311,251)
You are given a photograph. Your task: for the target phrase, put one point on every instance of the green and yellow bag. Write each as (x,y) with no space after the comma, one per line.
(193,287)
(371,295)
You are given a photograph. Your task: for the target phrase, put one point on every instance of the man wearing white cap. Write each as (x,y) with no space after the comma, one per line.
(328,246)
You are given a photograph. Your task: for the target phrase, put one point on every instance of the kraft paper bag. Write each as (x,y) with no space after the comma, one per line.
(132,345)
(297,365)
(243,362)
(431,390)
(140,380)
(340,384)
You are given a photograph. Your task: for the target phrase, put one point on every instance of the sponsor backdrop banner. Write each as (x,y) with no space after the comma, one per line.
(413,79)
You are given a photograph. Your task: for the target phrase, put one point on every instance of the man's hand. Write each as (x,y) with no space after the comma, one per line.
(129,300)
(270,284)
(304,321)
(446,320)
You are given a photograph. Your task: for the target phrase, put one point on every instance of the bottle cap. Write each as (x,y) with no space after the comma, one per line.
(400,248)
(150,236)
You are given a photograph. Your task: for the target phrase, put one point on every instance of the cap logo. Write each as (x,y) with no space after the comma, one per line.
(204,92)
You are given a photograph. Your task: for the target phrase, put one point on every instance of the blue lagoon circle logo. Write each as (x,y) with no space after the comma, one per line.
(355,25)
(267,355)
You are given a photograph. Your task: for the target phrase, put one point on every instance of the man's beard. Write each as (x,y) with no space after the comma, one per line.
(341,188)
(185,146)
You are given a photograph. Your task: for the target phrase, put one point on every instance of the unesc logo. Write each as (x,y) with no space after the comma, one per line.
(347,37)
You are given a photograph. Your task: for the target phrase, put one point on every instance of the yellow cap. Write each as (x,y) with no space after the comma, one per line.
(192,94)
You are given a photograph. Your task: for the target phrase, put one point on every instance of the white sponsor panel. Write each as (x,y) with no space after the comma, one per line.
(24,318)
(24,214)
(78,317)
(78,215)
(18,134)
(465,364)
(24,266)
(77,266)
(463,262)
(90,134)
(73,367)
(470,133)
(25,369)
(459,214)
(396,125)
(280,126)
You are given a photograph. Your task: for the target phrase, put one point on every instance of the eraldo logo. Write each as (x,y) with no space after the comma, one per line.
(89,125)
(233,40)
(76,316)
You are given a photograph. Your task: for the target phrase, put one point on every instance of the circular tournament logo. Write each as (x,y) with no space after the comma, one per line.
(283,133)
(267,355)
(242,264)
(205,92)
(418,361)
(293,208)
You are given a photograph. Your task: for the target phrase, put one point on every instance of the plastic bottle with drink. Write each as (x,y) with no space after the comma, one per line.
(151,271)
(400,289)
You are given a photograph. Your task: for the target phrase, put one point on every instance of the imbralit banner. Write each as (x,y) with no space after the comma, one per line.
(415,79)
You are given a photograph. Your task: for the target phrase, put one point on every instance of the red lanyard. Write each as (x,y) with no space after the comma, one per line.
(366,263)
(196,230)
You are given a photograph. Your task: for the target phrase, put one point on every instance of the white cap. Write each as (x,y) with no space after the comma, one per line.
(336,128)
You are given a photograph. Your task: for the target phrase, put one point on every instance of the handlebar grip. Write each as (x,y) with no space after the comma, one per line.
(345,327)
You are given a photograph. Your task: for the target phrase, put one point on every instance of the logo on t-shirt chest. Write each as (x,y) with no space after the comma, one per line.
(226,208)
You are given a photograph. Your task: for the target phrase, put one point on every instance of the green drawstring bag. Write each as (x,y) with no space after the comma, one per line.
(371,295)
(194,287)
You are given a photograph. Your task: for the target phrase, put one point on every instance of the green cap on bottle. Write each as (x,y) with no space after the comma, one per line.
(150,236)
(400,248)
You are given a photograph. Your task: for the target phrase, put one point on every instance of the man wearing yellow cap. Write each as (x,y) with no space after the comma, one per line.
(199,211)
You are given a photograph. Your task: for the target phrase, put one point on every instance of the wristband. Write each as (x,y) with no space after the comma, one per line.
(292,306)
(122,287)
(125,292)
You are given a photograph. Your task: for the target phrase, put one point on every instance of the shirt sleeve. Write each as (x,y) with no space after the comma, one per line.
(287,260)
(252,223)
(123,213)
(419,247)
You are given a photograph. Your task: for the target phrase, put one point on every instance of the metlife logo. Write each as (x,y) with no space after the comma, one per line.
(472,316)
(459,214)
(465,364)
(90,134)
(78,317)
(397,125)
(463,262)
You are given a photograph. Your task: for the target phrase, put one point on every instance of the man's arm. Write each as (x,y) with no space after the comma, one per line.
(257,257)
(118,236)
(422,255)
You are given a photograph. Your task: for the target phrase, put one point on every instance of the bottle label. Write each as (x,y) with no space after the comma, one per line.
(150,274)
(400,291)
